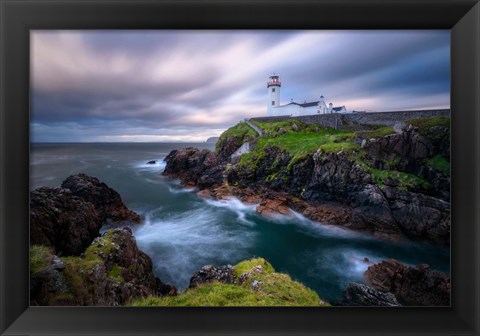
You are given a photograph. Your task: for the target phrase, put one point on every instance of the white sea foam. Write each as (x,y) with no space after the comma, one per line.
(237,206)
(159,165)
(315,228)
(356,264)
(179,190)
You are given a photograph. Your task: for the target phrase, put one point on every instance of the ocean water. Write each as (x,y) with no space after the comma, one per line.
(182,232)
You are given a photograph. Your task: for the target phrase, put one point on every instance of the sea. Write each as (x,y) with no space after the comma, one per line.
(182,232)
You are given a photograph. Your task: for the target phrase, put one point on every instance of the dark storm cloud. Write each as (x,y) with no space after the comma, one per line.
(185,85)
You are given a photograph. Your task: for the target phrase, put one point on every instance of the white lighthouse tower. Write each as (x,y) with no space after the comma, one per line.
(273,86)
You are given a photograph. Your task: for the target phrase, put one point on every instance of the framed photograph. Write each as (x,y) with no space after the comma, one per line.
(237,168)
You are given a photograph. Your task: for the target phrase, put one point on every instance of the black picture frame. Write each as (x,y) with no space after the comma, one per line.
(17,17)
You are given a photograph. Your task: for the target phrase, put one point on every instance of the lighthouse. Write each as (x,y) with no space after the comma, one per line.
(273,87)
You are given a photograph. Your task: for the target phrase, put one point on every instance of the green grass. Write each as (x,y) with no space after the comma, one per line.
(40,258)
(430,122)
(247,265)
(77,269)
(439,163)
(213,294)
(425,124)
(380,132)
(241,132)
(271,129)
(104,245)
(299,144)
(273,289)
(116,274)
(406,180)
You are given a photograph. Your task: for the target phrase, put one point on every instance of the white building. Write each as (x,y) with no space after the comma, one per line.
(295,109)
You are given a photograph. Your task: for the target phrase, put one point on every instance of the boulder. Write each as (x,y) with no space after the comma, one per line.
(414,285)
(107,201)
(210,273)
(362,295)
(152,162)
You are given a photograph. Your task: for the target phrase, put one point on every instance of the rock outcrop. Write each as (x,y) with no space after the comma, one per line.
(194,167)
(414,285)
(389,189)
(69,218)
(107,201)
(63,221)
(419,216)
(364,296)
(111,272)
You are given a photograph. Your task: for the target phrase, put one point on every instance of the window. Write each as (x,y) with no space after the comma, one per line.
(273,102)
(273,89)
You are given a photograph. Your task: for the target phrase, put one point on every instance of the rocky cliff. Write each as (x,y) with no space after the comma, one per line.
(67,219)
(71,263)
(390,184)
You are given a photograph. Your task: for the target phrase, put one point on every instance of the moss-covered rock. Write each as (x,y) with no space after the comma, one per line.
(111,271)
(256,284)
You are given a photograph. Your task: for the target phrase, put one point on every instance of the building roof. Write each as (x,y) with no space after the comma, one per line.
(310,104)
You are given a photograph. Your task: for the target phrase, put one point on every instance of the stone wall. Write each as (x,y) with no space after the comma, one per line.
(351,120)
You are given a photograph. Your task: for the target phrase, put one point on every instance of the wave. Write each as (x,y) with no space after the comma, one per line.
(237,206)
(314,228)
(158,166)
(181,190)
(179,244)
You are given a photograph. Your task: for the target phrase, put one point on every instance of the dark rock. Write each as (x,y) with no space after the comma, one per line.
(406,144)
(211,273)
(335,177)
(69,218)
(63,221)
(152,162)
(194,167)
(362,295)
(46,283)
(419,216)
(415,285)
(107,201)
(229,146)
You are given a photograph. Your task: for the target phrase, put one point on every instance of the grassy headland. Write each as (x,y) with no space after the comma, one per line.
(256,284)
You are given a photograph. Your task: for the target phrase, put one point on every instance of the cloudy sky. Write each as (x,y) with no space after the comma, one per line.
(180,86)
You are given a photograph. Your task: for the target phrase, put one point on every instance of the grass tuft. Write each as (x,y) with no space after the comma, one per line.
(40,258)
(440,164)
